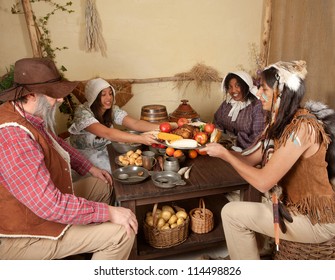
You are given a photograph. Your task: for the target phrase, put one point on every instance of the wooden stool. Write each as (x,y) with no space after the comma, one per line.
(289,250)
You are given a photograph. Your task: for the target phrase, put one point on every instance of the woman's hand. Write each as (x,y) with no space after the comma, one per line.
(148,139)
(216,150)
(101,174)
(125,217)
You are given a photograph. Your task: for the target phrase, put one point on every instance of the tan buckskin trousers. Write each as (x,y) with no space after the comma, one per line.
(242,219)
(106,241)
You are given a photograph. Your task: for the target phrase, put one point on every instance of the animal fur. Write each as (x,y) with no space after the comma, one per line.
(327,116)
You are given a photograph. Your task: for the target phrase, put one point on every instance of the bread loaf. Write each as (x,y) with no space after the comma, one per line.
(215,136)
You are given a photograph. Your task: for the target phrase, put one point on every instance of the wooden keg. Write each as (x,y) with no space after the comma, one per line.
(154,113)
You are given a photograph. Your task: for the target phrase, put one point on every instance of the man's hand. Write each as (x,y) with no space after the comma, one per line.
(125,217)
(102,174)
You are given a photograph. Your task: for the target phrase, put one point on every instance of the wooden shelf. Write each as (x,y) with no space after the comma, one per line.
(194,241)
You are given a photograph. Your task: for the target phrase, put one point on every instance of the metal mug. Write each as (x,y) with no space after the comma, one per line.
(171,164)
(148,159)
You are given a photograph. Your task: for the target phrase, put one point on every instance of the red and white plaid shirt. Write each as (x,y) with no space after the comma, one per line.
(24,174)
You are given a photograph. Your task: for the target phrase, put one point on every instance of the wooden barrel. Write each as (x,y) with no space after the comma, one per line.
(154,113)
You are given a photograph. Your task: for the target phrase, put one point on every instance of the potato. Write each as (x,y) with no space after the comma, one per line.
(173,219)
(160,223)
(180,221)
(173,225)
(150,220)
(166,215)
(165,227)
(168,208)
(181,214)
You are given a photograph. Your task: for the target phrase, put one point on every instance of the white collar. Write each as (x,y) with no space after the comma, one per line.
(237,106)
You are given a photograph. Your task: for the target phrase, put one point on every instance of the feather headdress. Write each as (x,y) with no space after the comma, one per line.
(290,74)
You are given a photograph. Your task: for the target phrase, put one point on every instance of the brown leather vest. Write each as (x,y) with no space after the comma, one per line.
(16,220)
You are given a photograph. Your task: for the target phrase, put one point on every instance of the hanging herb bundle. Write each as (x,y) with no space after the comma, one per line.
(201,74)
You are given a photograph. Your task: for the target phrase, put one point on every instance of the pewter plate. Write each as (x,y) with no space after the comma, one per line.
(136,174)
(167,179)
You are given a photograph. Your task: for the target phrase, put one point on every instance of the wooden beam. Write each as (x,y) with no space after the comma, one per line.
(32,28)
(265,45)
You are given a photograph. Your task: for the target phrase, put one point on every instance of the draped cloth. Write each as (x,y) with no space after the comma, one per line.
(300,29)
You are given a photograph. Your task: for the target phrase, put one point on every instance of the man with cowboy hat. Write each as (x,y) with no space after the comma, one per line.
(43,215)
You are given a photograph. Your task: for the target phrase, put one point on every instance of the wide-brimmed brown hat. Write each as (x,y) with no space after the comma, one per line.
(37,75)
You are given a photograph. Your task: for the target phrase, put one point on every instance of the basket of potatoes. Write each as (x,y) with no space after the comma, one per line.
(166,226)
(202,220)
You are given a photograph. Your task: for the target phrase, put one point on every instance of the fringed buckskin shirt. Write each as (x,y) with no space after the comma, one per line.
(306,187)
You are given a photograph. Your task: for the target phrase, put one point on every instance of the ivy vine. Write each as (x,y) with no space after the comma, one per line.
(45,42)
(42,24)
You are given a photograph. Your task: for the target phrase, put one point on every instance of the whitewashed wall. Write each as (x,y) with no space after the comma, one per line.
(146,39)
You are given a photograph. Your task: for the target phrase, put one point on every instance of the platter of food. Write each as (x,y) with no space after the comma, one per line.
(188,135)
(130,158)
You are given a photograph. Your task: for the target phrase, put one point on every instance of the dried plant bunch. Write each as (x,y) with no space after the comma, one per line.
(201,74)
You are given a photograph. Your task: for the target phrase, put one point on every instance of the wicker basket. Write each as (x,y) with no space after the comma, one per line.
(165,238)
(202,220)
(289,250)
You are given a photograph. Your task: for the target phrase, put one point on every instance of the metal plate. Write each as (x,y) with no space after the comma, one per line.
(135,171)
(167,179)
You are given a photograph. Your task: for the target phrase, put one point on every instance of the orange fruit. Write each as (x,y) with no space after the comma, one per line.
(192,154)
(169,151)
(178,153)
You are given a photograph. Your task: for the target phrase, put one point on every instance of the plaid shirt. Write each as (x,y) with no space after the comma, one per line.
(249,124)
(24,174)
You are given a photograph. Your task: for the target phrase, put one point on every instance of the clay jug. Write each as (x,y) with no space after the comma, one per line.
(184,110)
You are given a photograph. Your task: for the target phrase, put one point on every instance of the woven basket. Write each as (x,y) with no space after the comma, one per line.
(202,220)
(165,238)
(289,250)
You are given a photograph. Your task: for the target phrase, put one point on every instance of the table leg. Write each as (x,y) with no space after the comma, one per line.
(132,206)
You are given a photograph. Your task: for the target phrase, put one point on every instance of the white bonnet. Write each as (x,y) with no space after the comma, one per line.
(245,77)
(94,87)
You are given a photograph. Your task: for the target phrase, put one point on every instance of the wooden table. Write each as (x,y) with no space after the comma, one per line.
(210,178)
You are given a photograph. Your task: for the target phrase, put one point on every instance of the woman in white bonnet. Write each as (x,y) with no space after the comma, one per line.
(240,115)
(92,128)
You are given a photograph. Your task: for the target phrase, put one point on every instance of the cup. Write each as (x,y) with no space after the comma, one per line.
(171,164)
(148,159)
